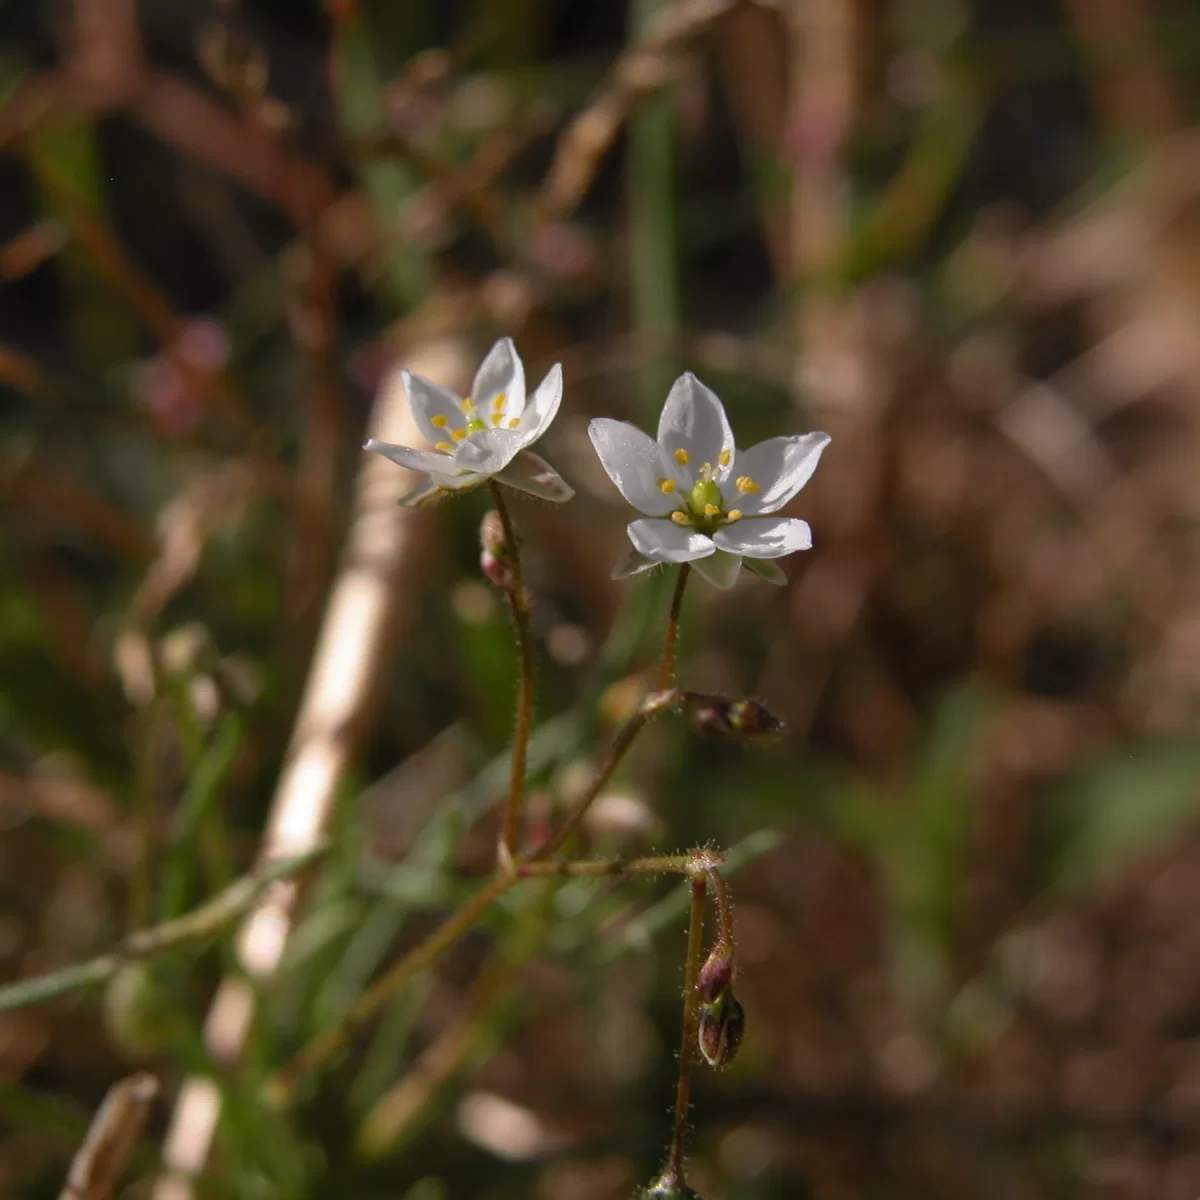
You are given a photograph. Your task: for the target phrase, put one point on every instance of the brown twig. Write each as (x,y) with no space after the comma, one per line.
(112,1137)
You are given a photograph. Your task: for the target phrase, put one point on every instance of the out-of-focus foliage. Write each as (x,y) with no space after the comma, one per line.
(960,236)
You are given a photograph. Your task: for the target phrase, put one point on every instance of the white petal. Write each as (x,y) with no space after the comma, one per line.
(463,481)
(633,563)
(542,407)
(488,451)
(501,371)
(720,569)
(780,466)
(426,490)
(429,400)
(767,537)
(664,541)
(766,570)
(531,473)
(428,462)
(633,463)
(693,421)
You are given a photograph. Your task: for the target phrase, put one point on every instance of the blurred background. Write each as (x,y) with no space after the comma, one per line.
(962,236)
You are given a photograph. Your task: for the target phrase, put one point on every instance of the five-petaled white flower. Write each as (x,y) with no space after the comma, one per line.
(484,435)
(706,502)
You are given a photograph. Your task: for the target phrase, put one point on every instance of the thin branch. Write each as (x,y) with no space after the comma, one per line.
(201,924)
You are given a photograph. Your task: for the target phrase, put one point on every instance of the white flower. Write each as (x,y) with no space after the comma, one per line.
(484,435)
(706,502)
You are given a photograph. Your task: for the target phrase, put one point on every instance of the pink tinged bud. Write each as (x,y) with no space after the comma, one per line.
(716,974)
(495,561)
(722,1025)
(491,534)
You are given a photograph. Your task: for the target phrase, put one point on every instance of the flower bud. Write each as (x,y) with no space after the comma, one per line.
(716,974)
(743,720)
(722,1025)
(496,559)
(669,1186)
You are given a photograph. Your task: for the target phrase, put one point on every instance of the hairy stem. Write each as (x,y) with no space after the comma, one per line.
(667,671)
(724,906)
(666,864)
(691,972)
(518,602)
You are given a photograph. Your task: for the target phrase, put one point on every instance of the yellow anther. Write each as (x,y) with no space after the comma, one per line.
(666,486)
(498,402)
(468,405)
(497,419)
(681,457)
(746,484)
(711,510)
(681,518)
(439,422)
(734,514)
(444,447)
(458,434)
(514,422)
(726,458)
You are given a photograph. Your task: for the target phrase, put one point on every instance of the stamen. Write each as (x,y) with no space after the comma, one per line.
(468,405)
(681,518)
(498,402)
(458,434)
(444,447)
(734,514)
(514,422)
(439,422)
(498,419)
(711,510)
(666,486)
(681,457)
(726,458)
(706,471)
(746,484)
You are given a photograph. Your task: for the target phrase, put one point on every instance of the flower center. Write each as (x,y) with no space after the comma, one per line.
(702,506)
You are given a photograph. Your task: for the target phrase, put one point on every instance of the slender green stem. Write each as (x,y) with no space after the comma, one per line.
(690,1009)
(518,602)
(651,706)
(667,671)
(197,926)
(667,864)
(380,993)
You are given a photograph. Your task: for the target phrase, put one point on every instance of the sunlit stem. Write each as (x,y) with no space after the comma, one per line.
(667,671)
(518,602)
(687,1047)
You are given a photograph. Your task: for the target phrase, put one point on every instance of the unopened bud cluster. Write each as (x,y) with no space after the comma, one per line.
(744,720)
(722,1019)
